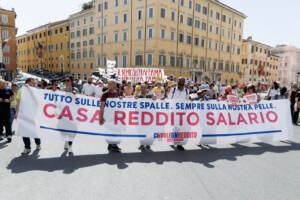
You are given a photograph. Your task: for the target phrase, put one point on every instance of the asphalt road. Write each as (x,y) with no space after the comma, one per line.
(247,171)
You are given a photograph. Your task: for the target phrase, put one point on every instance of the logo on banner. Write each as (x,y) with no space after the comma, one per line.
(176,136)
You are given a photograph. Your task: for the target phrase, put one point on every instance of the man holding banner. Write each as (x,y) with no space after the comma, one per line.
(179,93)
(112,92)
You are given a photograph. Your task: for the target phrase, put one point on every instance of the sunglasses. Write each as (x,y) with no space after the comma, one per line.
(67,80)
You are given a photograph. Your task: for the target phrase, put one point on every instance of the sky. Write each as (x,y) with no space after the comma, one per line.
(270,22)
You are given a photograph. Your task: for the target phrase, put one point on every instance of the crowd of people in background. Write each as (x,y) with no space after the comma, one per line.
(172,88)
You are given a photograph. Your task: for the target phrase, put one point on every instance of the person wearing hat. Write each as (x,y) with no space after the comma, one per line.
(227,91)
(159,91)
(201,94)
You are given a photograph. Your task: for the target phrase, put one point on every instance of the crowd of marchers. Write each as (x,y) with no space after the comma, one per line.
(172,88)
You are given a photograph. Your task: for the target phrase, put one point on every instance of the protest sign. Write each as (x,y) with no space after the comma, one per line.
(250,98)
(233,99)
(61,115)
(141,75)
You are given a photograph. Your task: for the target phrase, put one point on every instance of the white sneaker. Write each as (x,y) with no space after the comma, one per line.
(38,147)
(70,150)
(26,151)
(66,147)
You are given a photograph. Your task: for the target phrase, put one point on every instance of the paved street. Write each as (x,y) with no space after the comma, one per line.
(247,171)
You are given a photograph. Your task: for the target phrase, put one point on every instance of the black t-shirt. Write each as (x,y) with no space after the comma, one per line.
(5,94)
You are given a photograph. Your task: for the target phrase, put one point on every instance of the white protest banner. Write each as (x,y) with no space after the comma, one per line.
(140,74)
(60,115)
(251,98)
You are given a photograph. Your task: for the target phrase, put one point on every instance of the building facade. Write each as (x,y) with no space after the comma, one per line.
(8,33)
(83,42)
(200,39)
(46,47)
(258,65)
(289,64)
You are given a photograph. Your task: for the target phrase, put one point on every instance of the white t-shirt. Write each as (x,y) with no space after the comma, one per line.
(273,93)
(89,89)
(184,94)
(99,91)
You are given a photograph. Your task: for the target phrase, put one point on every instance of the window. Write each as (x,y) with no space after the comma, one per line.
(125,17)
(138,60)
(105,60)
(99,7)
(216,46)
(125,2)
(223,18)
(239,51)
(124,61)
(197,23)
(210,28)
(104,39)
(204,26)
(140,14)
(190,4)
(228,49)
(78,33)
(91,53)
(150,13)
(125,36)
(211,13)
(84,43)
(149,59)
(181,18)
(173,16)
(204,10)
(162,60)
(162,33)
(91,19)
(162,12)
(221,66)
(139,34)
(189,39)
(99,40)
(116,19)
(229,20)
(202,63)
(179,61)
(227,67)
(203,43)
(6,60)
(99,23)
(91,42)
(78,44)
(217,30)
(229,34)
(232,67)
(98,60)
(172,35)
(91,30)
(208,65)
(4,19)
(5,34)
(209,44)
(116,36)
(181,37)
(105,5)
(217,15)
(117,3)
(150,32)
(187,64)
(172,61)
(84,32)
(196,41)
(189,21)
(182,2)
(117,61)
(195,63)
(198,7)
(84,21)
(105,21)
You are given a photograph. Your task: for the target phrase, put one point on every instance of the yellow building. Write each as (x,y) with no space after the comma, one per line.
(258,65)
(83,41)
(200,39)
(46,47)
